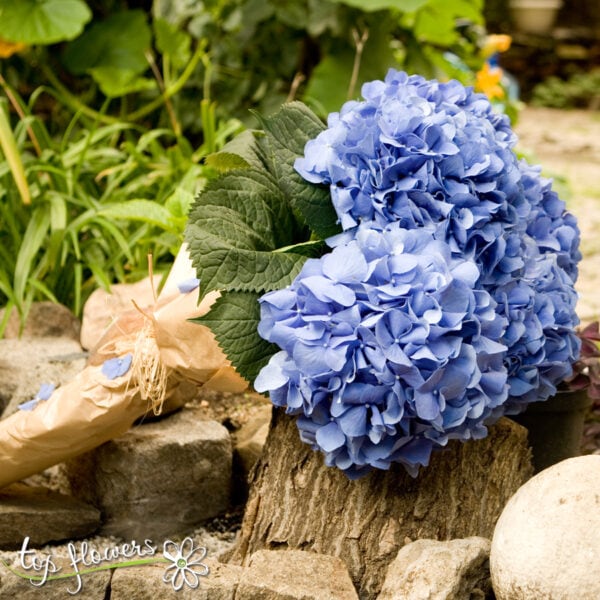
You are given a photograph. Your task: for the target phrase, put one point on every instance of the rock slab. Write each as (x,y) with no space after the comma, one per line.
(432,570)
(28,363)
(159,479)
(45,319)
(146,583)
(94,586)
(546,544)
(295,575)
(43,516)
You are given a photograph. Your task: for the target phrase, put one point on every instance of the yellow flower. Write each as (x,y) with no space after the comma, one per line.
(496,43)
(487,80)
(9,48)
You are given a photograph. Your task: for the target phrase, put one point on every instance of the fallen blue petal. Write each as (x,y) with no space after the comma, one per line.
(189,285)
(116,367)
(43,394)
(29,405)
(45,391)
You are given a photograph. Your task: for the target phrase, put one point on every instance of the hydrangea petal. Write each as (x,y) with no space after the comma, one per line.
(116,367)
(330,437)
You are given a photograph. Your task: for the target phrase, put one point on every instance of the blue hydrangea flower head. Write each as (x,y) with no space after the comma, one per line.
(388,349)
(447,301)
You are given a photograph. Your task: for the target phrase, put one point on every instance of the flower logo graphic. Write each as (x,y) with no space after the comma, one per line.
(186,567)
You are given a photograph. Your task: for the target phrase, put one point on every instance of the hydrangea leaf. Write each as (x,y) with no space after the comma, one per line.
(225,266)
(239,153)
(225,161)
(236,230)
(233,319)
(287,134)
(251,230)
(253,197)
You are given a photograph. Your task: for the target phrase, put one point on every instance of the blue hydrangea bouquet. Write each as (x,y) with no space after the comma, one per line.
(397,279)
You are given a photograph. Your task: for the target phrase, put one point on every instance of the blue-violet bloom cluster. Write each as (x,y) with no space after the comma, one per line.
(447,301)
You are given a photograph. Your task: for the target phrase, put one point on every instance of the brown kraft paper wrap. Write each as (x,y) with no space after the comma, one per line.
(93,409)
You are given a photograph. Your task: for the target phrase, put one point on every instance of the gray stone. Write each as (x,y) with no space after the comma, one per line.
(45,319)
(159,479)
(43,516)
(251,438)
(546,543)
(146,583)
(295,575)
(28,363)
(432,570)
(13,587)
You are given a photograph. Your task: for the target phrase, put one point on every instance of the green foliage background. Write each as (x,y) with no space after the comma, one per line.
(110,112)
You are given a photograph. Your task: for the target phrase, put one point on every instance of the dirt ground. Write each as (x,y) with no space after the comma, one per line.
(567,145)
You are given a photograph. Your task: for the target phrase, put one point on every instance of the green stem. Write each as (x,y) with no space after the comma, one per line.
(73,101)
(77,105)
(19,111)
(171,90)
(359,42)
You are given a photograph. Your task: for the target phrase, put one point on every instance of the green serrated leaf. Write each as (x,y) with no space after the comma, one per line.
(217,219)
(244,231)
(292,126)
(255,195)
(314,204)
(288,131)
(42,21)
(223,266)
(225,161)
(234,319)
(311,249)
(245,146)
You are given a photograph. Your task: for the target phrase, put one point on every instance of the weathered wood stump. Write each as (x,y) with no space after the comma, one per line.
(298,503)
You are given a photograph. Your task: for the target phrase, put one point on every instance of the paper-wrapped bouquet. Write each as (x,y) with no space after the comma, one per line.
(147,355)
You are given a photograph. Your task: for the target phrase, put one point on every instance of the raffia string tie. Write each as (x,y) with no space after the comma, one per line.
(147,368)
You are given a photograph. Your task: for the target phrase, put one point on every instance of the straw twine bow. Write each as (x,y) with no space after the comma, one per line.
(147,368)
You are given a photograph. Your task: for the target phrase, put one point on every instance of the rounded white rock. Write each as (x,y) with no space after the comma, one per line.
(546,543)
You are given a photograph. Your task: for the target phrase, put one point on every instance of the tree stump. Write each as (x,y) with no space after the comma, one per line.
(296,502)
